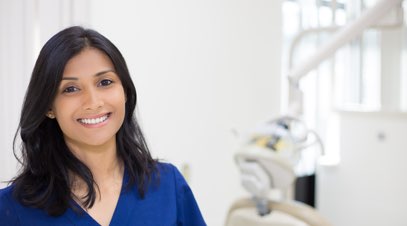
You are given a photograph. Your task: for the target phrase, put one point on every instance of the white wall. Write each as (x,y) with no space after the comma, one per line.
(202,68)
(24,27)
(12,70)
(369,186)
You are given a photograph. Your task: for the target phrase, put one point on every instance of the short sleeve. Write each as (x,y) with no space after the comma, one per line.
(188,212)
(8,215)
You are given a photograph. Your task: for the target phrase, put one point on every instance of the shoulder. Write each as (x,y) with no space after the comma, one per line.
(167,169)
(6,197)
(188,212)
(164,166)
(170,175)
(8,214)
(166,175)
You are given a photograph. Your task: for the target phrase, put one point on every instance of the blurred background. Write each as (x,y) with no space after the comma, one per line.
(208,71)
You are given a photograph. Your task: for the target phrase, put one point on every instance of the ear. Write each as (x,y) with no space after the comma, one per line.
(50,114)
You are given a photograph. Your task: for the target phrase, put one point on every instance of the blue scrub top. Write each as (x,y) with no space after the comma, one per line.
(169,202)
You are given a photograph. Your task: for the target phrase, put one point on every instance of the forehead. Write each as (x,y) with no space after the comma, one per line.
(88,62)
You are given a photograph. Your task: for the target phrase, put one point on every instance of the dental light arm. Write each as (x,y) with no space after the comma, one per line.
(368,18)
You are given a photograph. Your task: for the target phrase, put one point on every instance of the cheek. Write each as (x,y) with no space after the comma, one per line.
(122,107)
(120,99)
(63,111)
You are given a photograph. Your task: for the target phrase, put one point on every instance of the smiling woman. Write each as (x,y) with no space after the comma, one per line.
(84,159)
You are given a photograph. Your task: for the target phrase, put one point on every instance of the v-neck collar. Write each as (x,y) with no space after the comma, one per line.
(127,199)
(121,213)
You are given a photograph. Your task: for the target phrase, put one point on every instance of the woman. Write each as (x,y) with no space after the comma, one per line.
(84,159)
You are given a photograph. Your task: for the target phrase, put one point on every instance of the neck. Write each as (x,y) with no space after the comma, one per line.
(102,160)
(104,167)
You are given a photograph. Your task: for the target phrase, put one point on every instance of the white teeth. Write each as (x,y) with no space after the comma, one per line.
(93,121)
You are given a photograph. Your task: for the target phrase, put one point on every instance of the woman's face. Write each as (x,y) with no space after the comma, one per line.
(90,102)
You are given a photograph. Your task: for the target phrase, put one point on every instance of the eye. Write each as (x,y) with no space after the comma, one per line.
(105,82)
(70,89)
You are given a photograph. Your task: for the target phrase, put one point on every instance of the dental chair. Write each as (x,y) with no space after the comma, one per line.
(266,164)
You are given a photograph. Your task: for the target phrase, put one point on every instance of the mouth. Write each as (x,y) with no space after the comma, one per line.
(94,121)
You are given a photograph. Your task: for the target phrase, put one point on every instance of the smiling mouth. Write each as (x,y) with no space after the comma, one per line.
(94,121)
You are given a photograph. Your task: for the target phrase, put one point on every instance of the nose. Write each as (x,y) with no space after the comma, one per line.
(92,100)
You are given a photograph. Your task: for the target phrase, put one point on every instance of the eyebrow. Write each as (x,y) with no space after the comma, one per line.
(97,74)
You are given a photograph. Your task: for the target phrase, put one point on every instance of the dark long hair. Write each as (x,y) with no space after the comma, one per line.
(47,164)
